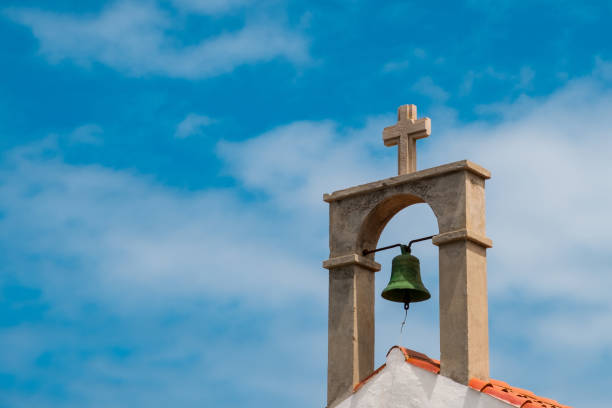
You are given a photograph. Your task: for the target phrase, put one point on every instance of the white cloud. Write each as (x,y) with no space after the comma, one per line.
(192,125)
(403,64)
(419,53)
(128,238)
(426,86)
(135,38)
(393,66)
(88,134)
(210,6)
(525,77)
(603,69)
(293,163)
(522,80)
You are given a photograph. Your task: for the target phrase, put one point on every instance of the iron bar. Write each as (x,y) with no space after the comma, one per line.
(371,251)
(418,240)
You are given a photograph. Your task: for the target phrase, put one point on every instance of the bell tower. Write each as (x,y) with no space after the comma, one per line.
(358,215)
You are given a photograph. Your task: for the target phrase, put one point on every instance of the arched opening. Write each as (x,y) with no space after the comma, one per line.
(399,220)
(377,219)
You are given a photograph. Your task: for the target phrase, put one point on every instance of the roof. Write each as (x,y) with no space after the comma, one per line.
(497,389)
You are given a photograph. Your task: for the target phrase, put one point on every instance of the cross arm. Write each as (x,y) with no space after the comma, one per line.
(414,129)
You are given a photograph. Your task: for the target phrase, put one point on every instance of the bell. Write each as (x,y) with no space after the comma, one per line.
(405,285)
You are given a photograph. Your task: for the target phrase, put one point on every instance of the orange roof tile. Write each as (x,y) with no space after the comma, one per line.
(513,395)
(365,380)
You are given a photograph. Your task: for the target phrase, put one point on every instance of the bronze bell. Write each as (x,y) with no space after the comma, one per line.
(405,285)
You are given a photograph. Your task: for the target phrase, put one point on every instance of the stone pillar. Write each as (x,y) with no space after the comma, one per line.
(350,324)
(464,325)
(464,334)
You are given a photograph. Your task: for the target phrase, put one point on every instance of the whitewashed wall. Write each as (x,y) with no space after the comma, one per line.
(403,385)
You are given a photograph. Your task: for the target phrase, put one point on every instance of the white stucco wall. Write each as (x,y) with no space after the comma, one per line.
(403,385)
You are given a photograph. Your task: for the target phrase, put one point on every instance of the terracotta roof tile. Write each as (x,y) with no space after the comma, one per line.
(419,359)
(365,380)
(505,395)
(513,395)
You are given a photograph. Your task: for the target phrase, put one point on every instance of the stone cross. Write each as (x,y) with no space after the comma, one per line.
(405,134)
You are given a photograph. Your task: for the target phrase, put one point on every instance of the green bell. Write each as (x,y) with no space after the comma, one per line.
(405,285)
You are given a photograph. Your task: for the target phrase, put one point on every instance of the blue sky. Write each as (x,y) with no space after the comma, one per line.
(163,164)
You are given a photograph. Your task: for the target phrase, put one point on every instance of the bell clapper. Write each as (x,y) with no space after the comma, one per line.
(406,307)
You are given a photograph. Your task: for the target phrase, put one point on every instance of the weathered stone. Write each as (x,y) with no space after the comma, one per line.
(404,134)
(455,193)
(351,329)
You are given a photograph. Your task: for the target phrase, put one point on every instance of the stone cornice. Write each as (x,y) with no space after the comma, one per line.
(462,235)
(351,259)
(463,165)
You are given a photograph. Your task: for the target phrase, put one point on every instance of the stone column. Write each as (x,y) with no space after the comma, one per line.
(464,326)
(350,324)
(464,334)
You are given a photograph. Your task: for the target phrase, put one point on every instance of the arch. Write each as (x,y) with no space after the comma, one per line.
(377,219)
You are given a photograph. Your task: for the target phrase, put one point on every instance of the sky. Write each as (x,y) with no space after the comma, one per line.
(162,166)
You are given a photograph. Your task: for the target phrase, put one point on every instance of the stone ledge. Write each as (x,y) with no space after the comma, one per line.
(463,165)
(460,235)
(352,259)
